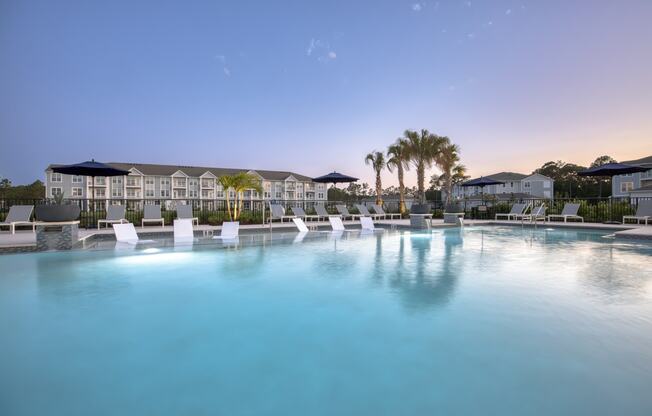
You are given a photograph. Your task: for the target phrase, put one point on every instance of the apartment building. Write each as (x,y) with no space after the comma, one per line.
(516,185)
(170,182)
(635,184)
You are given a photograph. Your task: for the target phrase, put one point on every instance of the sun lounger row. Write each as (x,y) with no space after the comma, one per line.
(115,214)
(519,212)
(279,213)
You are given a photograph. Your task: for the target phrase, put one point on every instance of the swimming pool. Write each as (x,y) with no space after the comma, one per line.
(485,320)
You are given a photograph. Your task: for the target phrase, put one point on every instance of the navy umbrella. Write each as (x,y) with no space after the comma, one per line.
(482,182)
(334,178)
(610,170)
(90,168)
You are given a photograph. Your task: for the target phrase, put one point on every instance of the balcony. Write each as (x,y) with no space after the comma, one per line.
(133,182)
(207,184)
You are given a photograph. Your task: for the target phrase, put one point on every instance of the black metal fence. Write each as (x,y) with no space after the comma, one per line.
(598,210)
(214,212)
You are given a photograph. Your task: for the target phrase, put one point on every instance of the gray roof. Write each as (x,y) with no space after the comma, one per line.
(644,161)
(196,171)
(507,176)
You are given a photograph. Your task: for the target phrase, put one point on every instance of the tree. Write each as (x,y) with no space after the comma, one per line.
(398,158)
(5,183)
(599,161)
(377,161)
(423,149)
(239,183)
(602,160)
(447,161)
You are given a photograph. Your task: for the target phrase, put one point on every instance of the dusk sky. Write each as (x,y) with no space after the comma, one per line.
(312,86)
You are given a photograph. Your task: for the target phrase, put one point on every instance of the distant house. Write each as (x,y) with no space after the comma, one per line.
(636,184)
(514,186)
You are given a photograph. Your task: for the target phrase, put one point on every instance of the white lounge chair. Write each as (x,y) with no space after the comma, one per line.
(380,211)
(517,209)
(367,224)
(321,211)
(183,233)
(301,226)
(537,213)
(126,233)
(300,213)
(115,214)
(278,213)
(336,224)
(365,212)
(152,213)
(229,230)
(569,212)
(184,212)
(18,215)
(344,212)
(643,212)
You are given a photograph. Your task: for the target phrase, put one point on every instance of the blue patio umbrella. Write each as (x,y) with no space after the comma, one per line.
(610,170)
(482,182)
(334,178)
(90,168)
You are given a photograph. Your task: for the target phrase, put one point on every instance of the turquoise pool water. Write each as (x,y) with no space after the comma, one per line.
(481,321)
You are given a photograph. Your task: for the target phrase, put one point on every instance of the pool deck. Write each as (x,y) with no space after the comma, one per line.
(25,238)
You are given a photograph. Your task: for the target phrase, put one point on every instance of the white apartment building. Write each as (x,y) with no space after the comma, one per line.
(174,183)
(516,185)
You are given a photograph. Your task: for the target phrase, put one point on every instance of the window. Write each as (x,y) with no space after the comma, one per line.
(207,194)
(149,187)
(77,179)
(100,180)
(116,192)
(220,191)
(100,193)
(55,191)
(149,193)
(179,182)
(626,186)
(133,193)
(165,187)
(231,193)
(526,184)
(546,184)
(320,195)
(56,177)
(133,181)
(299,195)
(279,195)
(76,191)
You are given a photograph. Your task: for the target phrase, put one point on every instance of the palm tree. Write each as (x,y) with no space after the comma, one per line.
(398,158)
(239,183)
(423,149)
(377,162)
(446,161)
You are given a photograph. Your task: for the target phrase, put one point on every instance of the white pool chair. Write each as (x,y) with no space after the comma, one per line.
(18,215)
(321,211)
(126,233)
(380,211)
(569,212)
(367,224)
(152,213)
(115,214)
(229,231)
(537,213)
(301,226)
(365,212)
(517,209)
(344,212)
(300,213)
(183,233)
(337,225)
(643,213)
(278,213)
(184,212)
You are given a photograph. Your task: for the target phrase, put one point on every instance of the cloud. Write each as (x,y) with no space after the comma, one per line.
(508,12)
(417,7)
(227,71)
(321,50)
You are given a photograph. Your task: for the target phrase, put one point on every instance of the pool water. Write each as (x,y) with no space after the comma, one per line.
(477,321)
